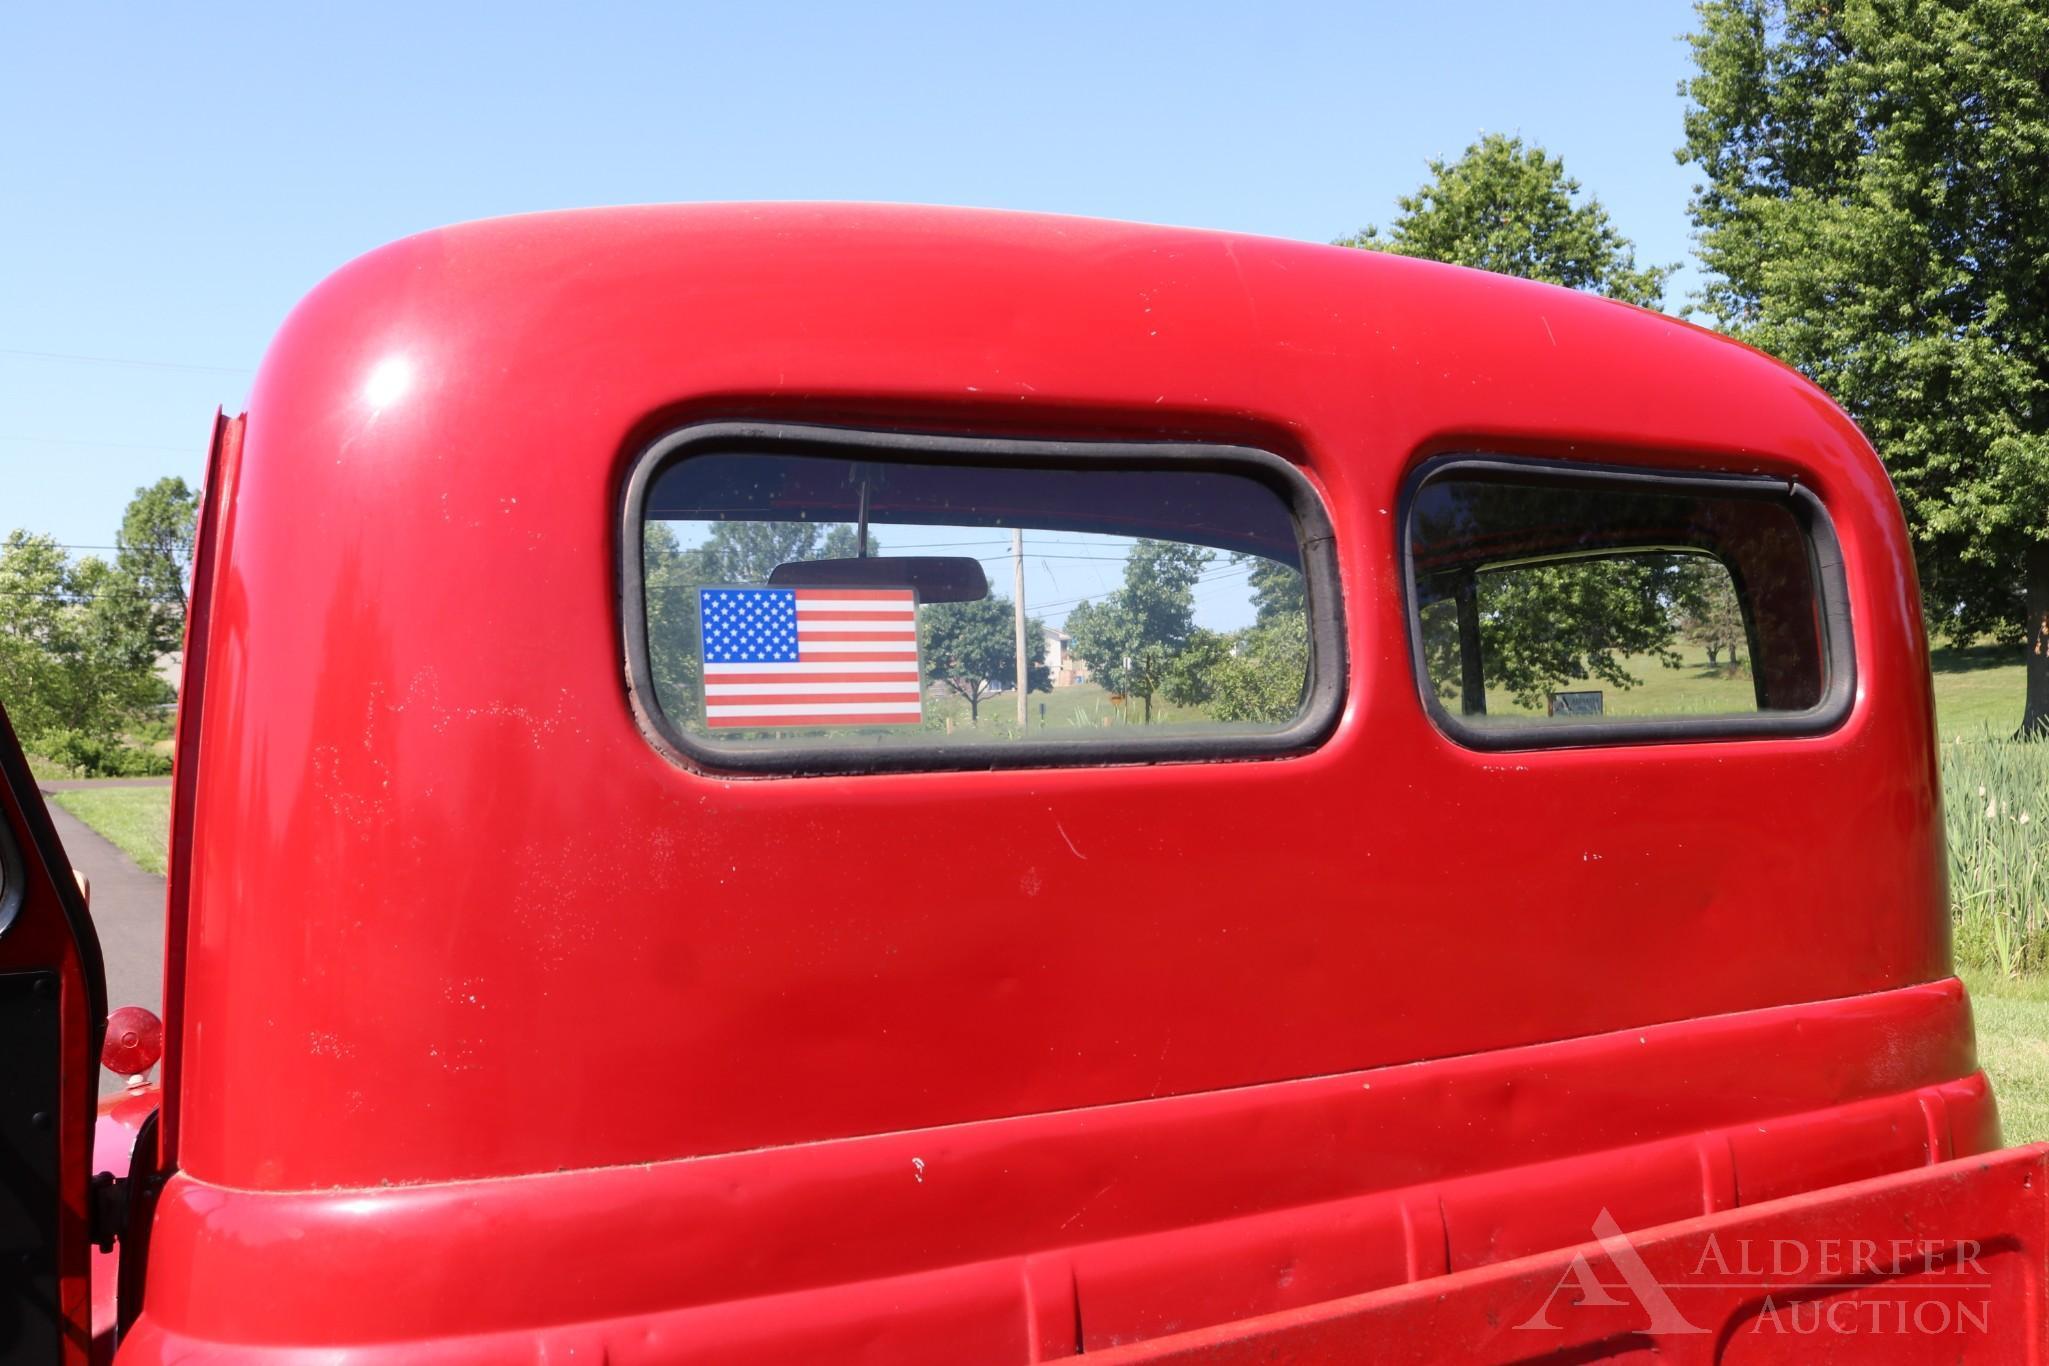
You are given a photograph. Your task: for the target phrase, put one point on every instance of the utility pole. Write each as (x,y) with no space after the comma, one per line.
(1024,672)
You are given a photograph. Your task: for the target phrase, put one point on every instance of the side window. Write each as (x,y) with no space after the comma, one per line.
(12,892)
(1569,607)
(822,600)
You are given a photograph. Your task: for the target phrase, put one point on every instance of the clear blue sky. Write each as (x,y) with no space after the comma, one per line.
(174,176)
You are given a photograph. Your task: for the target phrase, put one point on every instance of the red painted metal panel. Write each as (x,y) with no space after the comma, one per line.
(1051,1059)
(115,1130)
(1254,1274)
(453,883)
(223,458)
(1967,1286)
(1150,1216)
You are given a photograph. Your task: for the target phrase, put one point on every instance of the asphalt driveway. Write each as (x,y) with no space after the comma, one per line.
(127,909)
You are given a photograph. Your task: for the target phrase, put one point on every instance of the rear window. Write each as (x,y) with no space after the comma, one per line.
(825,600)
(1556,606)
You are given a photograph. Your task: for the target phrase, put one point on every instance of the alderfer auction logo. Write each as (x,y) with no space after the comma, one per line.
(1834,1286)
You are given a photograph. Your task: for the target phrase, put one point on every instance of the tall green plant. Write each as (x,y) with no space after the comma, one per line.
(1996,798)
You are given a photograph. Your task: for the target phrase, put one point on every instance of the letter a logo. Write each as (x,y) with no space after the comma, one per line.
(1664,1315)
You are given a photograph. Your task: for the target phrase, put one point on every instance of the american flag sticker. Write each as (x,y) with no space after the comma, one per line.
(776,657)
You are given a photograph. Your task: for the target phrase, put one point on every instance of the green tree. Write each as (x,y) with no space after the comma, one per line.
(1511,208)
(1709,613)
(74,670)
(1256,674)
(1191,678)
(671,598)
(971,649)
(733,553)
(1130,640)
(38,633)
(747,552)
(1542,626)
(1278,590)
(1872,212)
(153,562)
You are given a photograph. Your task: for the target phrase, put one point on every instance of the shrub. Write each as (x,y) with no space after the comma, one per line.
(99,756)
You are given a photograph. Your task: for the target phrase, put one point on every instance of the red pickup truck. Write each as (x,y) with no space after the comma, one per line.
(597,928)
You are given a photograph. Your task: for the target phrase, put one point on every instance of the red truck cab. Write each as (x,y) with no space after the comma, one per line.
(594,929)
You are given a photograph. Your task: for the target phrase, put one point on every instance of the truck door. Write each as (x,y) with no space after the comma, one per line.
(52,1013)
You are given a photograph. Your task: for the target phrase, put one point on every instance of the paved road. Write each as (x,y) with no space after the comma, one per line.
(127,909)
(76,784)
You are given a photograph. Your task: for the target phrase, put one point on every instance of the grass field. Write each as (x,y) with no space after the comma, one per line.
(1694,688)
(136,819)
(1083,706)
(2013,1048)
(1978,690)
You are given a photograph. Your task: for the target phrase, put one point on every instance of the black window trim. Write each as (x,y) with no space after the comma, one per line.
(1323,699)
(1825,560)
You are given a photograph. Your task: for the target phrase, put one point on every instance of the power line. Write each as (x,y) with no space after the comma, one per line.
(73,545)
(194,449)
(59,595)
(130,361)
(1039,555)
(1213,577)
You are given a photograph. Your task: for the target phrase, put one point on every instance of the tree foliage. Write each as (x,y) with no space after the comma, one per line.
(76,655)
(1872,212)
(748,552)
(153,559)
(1544,626)
(1278,590)
(1709,613)
(1511,208)
(970,649)
(1131,638)
(1254,675)
(1508,207)
(733,553)
(669,589)
(80,639)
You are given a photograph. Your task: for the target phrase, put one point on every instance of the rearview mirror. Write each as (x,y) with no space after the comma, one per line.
(937,578)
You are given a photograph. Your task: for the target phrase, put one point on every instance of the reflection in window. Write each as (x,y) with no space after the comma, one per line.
(794,599)
(1543,601)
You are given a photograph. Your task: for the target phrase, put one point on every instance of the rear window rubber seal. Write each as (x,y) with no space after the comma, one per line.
(1323,700)
(1825,559)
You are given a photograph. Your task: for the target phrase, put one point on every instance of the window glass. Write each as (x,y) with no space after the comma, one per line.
(11,891)
(800,600)
(1547,600)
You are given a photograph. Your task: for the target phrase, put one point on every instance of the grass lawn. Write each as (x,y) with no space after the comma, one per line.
(1694,688)
(2013,1048)
(1083,706)
(136,819)
(1978,690)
